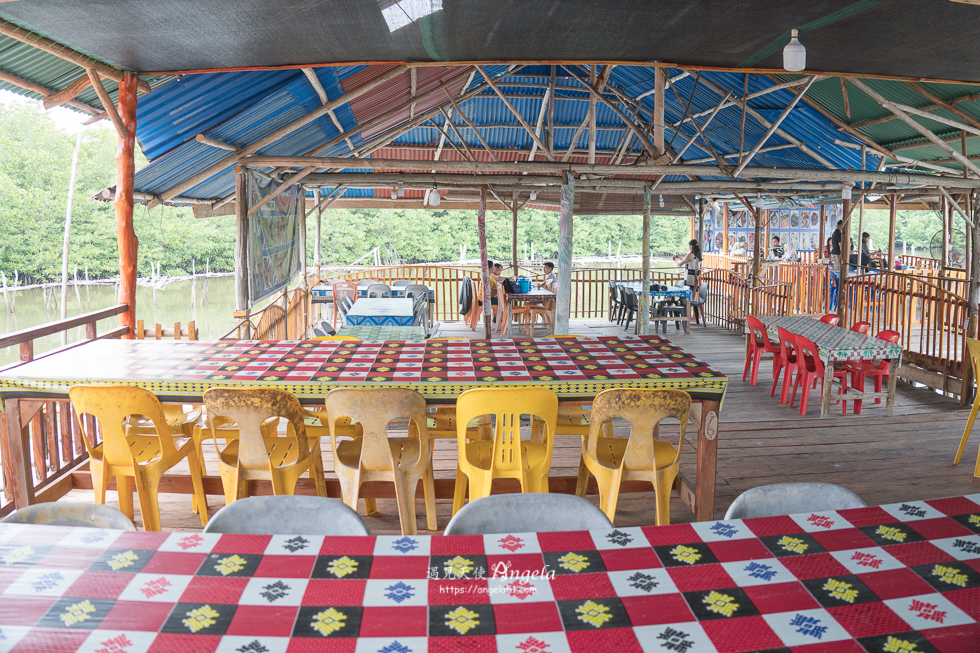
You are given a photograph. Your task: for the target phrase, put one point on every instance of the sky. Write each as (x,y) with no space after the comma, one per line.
(65,119)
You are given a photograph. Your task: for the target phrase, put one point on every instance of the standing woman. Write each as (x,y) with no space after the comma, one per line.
(692,263)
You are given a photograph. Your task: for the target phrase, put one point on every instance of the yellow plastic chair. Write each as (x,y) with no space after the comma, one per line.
(640,457)
(321,338)
(258,451)
(181,424)
(134,454)
(506,455)
(974,346)
(377,457)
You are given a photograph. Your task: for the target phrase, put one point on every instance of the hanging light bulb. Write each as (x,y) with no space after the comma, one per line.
(534,195)
(394,194)
(794,54)
(434,198)
(845,192)
(401,189)
(661,201)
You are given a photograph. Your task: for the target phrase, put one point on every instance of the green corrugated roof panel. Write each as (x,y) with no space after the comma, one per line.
(895,133)
(38,67)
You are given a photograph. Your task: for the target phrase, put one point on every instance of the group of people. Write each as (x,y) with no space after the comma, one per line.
(496,271)
(833,249)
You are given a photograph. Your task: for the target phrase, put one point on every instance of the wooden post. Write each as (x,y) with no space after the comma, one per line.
(658,111)
(241,242)
(765,236)
(701,206)
(67,240)
(125,232)
(892,219)
(724,226)
(860,233)
(513,233)
(564,304)
(304,285)
(757,253)
(823,233)
(317,243)
(643,319)
(845,259)
(690,235)
(944,213)
(481,230)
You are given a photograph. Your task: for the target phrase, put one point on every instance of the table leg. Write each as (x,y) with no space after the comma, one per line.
(687,325)
(828,379)
(704,483)
(892,383)
(18,444)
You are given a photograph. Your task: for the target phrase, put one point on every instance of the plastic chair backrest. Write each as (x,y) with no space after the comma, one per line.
(417,289)
(374,409)
(379,290)
(364,283)
(895,336)
(974,346)
(251,409)
(507,405)
(629,298)
(401,282)
(67,513)
(643,409)
(343,289)
(703,292)
(861,327)
(759,333)
(527,513)
(790,498)
(788,343)
(808,356)
(286,514)
(111,406)
(831,318)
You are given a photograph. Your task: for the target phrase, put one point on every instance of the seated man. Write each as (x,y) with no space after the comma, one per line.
(549,273)
(777,252)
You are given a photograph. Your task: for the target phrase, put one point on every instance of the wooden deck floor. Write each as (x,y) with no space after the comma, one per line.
(905,457)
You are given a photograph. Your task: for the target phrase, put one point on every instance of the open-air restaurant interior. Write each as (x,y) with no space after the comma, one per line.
(534,454)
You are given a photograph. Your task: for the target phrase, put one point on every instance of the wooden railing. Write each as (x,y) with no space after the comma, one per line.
(56,441)
(810,285)
(732,296)
(284,318)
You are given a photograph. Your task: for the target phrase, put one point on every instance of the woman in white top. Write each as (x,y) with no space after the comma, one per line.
(692,263)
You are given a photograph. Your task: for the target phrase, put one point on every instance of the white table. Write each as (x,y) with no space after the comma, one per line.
(381,311)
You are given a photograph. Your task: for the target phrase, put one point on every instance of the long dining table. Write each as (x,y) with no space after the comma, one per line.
(180,371)
(839,345)
(899,578)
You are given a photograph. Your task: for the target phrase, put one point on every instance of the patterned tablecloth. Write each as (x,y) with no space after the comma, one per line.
(382,333)
(534,295)
(901,578)
(571,368)
(834,343)
(383,311)
(673,291)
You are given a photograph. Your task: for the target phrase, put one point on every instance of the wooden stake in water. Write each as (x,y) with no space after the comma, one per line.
(6,296)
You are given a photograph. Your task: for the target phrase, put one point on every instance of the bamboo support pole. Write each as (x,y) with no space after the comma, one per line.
(564,303)
(845,259)
(241,242)
(481,229)
(117,121)
(643,319)
(513,234)
(892,220)
(774,126)
(125,173)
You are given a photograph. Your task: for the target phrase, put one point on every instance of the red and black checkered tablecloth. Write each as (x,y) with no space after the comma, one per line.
(571,368)
(899,578)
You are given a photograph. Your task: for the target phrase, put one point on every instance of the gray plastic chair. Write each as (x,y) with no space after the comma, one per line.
(287,515)
(379,290)
(401,282)
(790,498)
(66,513)
(526,513)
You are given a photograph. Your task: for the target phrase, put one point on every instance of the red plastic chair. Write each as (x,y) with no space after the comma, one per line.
(878,370)
(787,361)
(831,318)
(861,327)
(810,372)
(759,344)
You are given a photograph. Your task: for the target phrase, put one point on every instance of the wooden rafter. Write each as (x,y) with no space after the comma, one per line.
(69,93)
(45,91)
(774,126)
(322,93)
(476,131)
(517,114)
(288,183)
(107,103)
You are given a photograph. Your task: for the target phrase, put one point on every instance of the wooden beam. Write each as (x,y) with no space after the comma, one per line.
(574,141)
(592,116)
(540,124)
(107,103)
(285,185)
(69,93)
(843,90)
(214,142)
(551,114)
(62,51)
(476,131)
(241,241)
(277,135)
(956,206)
(322,93)
(413,82)
(541,167)
(774,126)
(916,126)
(516,113)
(45,91)
(622,116)
(940,119)
(931,107)
(658,108)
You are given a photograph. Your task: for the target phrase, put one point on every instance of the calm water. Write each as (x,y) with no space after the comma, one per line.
(208,302)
